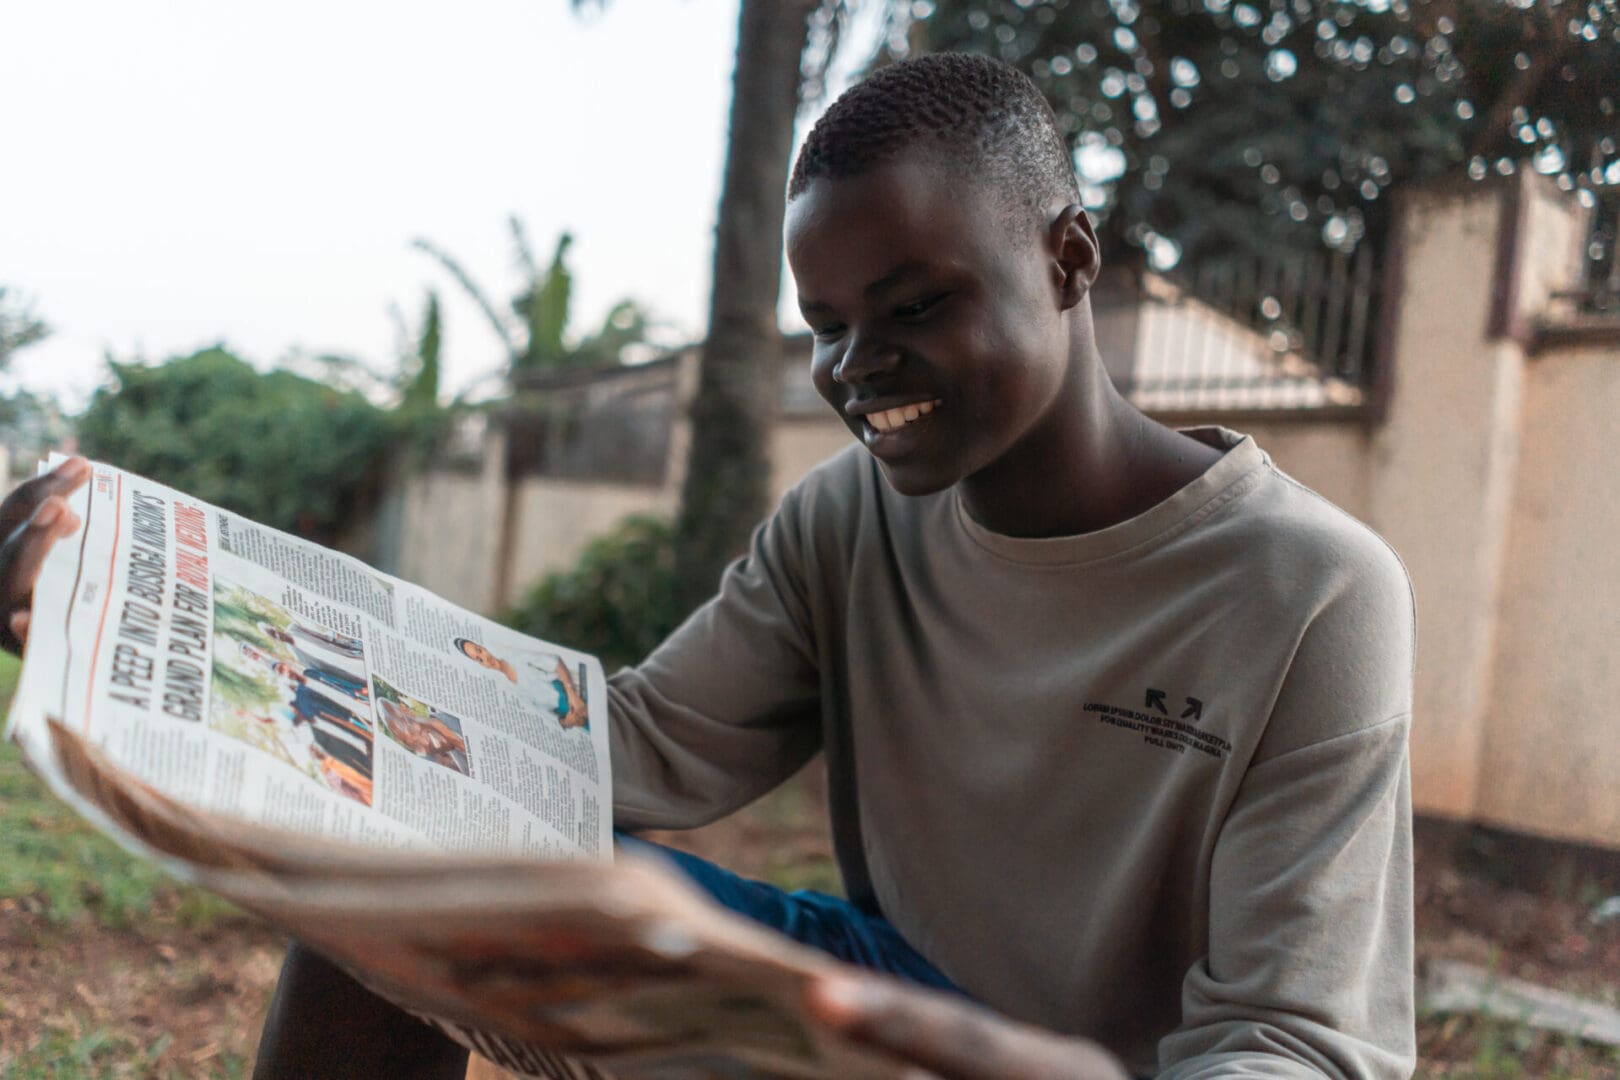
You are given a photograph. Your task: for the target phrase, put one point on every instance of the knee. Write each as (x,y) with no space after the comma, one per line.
(323,1023)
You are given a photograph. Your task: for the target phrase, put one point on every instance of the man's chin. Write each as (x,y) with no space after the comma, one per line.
(910,478)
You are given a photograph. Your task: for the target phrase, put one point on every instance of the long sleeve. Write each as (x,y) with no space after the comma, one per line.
(727,707)
(1309,970)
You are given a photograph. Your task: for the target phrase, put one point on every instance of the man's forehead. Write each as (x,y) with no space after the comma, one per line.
(902,187)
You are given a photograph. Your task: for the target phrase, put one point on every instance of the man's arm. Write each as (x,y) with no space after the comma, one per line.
(728,706)
(1310,965)
(950,1039)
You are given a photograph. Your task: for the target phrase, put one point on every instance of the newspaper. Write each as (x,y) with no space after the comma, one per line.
(420,793)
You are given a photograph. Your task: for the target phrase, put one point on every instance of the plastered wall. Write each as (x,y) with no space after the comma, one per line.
(1550,763)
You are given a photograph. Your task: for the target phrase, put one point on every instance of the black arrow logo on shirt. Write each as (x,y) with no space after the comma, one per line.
(1155,700)
(1195,709)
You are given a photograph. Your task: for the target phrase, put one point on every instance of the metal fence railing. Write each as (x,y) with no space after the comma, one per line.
(1243,333)
(1599,290)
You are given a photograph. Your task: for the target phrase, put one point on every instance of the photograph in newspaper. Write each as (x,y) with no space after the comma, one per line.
(293,690)
(542,679)
(429,733)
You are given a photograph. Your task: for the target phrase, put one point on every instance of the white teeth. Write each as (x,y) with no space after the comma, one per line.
(894,419)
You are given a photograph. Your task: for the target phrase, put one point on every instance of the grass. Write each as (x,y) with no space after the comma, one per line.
(53,861)
(69,1052)
(54,864)
(1477,1048)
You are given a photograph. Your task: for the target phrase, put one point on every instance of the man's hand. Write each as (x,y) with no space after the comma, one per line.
(948,1038)
(32,518)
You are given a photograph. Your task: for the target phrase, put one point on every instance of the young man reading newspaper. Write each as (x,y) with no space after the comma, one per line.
(1115,716)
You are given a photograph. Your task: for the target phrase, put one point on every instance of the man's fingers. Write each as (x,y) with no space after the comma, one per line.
(24,502)
(953,1039)
(25,551)
(19,625)
(926,1031)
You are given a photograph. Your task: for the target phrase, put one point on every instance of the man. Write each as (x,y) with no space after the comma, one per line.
(1114,715)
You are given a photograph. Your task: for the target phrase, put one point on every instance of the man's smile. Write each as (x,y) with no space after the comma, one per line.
(884,417)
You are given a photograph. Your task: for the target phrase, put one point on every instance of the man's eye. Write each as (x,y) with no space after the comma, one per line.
(919,309)
(828,332)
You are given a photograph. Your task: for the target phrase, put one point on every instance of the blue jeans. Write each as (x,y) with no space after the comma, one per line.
(823,922)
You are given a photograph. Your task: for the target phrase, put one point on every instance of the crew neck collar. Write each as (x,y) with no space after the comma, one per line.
(1238,465)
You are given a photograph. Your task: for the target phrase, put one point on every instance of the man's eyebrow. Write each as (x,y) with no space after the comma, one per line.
(909,268)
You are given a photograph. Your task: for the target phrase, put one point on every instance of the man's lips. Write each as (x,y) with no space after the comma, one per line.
(886,415)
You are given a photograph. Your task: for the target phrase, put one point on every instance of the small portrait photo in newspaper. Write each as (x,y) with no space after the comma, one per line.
(541,679)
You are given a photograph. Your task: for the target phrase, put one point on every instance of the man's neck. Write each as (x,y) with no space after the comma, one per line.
(1102,462)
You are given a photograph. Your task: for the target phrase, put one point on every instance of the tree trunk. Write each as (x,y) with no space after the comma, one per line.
(727,472)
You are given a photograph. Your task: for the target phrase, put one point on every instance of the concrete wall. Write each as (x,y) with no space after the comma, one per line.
(800,443)
(557,518)
(449,530)
(1551,756)
(1442,474)
(1334,459)
(1493,477)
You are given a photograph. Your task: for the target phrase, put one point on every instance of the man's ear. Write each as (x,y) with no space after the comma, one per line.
(1076,256)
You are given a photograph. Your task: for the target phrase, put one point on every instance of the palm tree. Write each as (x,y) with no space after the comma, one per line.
(727,472)
(534,333)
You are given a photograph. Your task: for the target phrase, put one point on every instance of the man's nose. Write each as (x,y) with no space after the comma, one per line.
(865,357)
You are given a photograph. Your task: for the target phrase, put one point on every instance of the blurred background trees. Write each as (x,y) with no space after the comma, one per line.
(724,494)
(533,328)
(283,449)
(1203,127)
(19,326)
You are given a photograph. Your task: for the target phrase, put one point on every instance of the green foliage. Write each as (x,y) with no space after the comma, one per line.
(537,339)
(1254,123)
(421,370)
(619,601)
(276,447)
(543,306)
(626,324)
(19,326)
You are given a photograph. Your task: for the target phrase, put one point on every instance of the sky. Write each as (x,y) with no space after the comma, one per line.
(183,172)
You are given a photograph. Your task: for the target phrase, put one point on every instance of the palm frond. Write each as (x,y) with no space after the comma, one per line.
(470,286)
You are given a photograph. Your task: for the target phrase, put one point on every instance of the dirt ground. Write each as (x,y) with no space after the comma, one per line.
(164,998)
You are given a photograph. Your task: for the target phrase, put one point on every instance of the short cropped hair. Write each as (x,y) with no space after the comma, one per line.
(972,112)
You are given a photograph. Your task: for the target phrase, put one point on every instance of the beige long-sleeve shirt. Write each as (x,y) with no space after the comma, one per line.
(1148,784)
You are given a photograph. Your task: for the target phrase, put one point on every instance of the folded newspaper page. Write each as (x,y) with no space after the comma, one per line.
(418,792)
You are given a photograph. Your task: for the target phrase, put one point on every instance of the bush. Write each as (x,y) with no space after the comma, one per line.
(275,447)
(619,601)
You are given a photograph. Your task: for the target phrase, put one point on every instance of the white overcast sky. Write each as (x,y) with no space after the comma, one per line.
(184,172)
